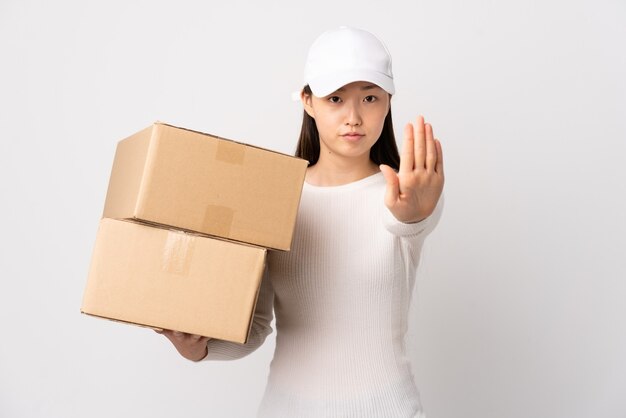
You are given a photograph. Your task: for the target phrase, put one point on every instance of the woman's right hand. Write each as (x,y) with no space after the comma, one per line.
(192,347)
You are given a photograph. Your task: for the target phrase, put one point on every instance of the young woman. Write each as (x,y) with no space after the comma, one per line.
(341,296)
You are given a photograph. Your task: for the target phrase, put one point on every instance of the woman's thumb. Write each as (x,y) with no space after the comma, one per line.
(393,189)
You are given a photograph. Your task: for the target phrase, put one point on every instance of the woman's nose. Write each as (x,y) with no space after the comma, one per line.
(353,117)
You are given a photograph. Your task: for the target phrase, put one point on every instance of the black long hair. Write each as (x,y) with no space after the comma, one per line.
(384,151)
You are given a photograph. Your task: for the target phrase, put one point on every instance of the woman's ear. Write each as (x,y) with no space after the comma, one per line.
(307,101)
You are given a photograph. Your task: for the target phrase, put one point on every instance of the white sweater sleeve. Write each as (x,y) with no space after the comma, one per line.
(411,236)
(261,328)
(417,230)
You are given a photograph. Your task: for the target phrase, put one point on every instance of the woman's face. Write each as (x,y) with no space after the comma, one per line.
(349,120)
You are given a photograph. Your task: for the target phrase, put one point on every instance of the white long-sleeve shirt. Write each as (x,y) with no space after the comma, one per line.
(341,297)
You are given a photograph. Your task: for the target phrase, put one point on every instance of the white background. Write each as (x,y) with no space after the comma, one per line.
(520,308)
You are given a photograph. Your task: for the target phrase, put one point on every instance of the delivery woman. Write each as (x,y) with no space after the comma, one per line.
(341,296)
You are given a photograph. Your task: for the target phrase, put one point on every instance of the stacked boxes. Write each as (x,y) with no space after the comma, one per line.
(186,226)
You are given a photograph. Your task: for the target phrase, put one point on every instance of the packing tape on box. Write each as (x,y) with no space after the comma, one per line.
(177,253)
(218,220)
(230,152)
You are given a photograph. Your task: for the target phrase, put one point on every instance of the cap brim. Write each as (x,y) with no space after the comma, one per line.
(325,85)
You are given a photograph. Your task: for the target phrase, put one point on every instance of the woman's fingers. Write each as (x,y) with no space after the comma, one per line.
(419,151)
(393,187)
(179,336)
(431,149)
(407,156)
(439,165)
(191,346)
(420,143)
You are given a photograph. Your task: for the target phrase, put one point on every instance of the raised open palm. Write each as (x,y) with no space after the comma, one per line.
(413,192)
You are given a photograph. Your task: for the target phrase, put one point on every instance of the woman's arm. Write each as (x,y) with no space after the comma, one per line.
(409,237)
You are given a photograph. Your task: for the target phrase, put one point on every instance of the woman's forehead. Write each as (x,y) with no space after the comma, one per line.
(358,86)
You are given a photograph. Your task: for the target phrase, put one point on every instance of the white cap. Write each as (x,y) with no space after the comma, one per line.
(344,55)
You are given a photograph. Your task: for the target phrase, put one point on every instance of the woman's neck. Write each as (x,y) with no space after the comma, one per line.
(335,173)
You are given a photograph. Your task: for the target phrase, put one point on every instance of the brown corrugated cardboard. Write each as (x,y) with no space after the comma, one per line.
(199,182)
(174,280)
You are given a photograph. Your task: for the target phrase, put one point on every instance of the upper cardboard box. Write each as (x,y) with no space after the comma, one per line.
(169,279)
(199,182)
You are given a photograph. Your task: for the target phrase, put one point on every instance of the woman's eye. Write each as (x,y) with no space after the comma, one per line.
(370,99)
(334,99)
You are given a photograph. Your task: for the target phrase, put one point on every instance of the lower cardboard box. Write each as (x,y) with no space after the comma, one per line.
(169,279)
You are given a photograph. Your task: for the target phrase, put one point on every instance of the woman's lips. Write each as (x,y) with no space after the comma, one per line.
(352,137)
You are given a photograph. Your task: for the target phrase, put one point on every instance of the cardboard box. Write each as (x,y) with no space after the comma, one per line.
(169,279)
(199,182)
